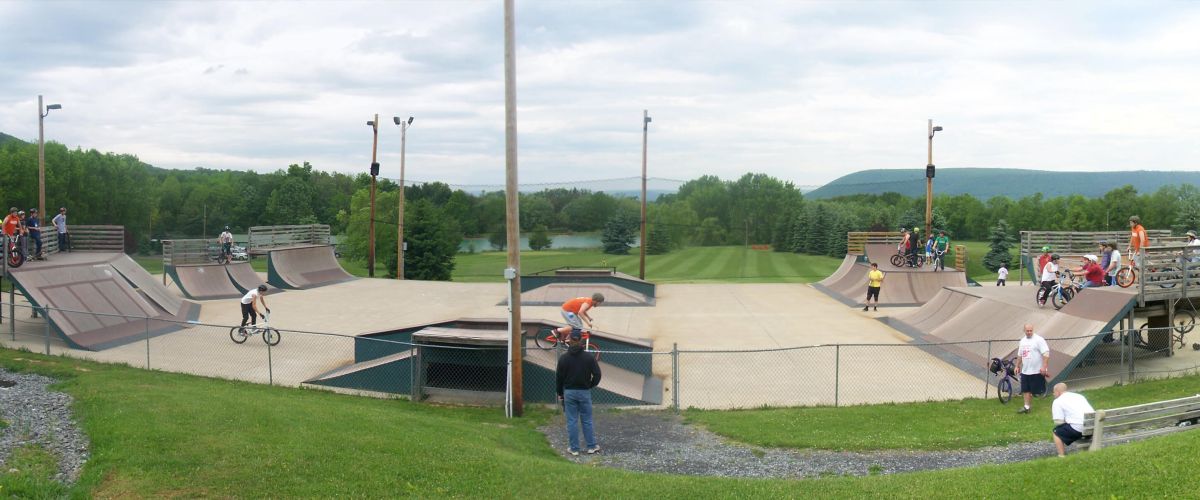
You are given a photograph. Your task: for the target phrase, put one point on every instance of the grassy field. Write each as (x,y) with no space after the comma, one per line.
(971,423)
(733,264)
(158,434)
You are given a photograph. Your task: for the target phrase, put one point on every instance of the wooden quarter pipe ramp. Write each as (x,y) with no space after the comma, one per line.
(304,267)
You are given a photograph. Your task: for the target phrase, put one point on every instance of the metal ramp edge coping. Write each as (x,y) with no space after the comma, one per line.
(981,372)
(169,326)
(649,303)
(856,303)
(611,275)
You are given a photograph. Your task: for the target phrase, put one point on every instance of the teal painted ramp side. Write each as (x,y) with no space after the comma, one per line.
(389,375)
(273,277)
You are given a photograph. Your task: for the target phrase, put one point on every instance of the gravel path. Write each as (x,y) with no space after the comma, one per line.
(661,442)
(35,415)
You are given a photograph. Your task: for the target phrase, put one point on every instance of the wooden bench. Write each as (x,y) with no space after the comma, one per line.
(1145,420)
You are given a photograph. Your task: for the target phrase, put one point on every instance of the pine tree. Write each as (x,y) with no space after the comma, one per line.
(660,240)
(799,231)
(618,235)
(1001,243)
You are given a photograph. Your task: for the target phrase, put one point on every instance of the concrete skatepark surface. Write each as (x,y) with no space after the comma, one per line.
(715,318)
(901,286)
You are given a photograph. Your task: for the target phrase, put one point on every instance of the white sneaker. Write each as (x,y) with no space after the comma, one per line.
(593,451)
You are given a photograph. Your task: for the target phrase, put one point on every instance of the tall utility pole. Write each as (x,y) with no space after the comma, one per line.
(512,217)
(645,130)
(374,124)
(43,112)
(929,182)
(400,222)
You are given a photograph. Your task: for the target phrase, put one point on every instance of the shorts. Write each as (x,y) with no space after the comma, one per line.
(572,319)
(1067,434)
(1034,384)
(873,291)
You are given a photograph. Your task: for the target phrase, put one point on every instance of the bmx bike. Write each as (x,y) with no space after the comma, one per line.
(1062,292)
(901,259)
(547,338)
(1006,369)
(13,252)
(270,335)
(1127,275)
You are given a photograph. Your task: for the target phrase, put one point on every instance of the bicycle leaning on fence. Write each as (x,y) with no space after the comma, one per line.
(547,338)
(1004,386)
(1127,275)
(270,335)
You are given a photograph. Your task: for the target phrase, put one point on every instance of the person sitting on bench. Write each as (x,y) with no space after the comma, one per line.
(1068,411)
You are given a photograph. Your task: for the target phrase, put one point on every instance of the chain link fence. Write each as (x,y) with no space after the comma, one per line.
(473,369)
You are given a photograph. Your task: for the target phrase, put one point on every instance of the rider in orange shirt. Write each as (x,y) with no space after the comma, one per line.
(1137,240)
(12,223)
(575,312)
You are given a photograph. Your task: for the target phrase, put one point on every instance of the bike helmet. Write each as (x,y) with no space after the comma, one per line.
(1046,248)
(21,212)
(262,288)
(1191,233)
(1135,219)
(994,366)
(226,228)
(1053,256)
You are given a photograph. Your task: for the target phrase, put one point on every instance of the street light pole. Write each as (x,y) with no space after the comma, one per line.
(512,217)
(42,114)
(400,222)
(374,124)
(645,131)
(929,182)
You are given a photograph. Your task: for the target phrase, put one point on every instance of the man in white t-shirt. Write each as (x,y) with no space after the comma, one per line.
(250,311)
(1002,274)
(1068,411)
(1033,363)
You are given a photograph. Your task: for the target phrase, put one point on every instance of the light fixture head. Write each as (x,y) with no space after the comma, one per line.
(53,106)
(370,123)
(396,120)
(410,120)
(937,128)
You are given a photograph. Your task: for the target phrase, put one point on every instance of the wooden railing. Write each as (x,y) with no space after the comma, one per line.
(264,238)
(1168,272)
(857,241)
(184,252)
(1083,243)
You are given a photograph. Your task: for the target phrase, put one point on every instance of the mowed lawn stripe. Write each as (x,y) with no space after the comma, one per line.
(700,259)
(729,263)
(667,265)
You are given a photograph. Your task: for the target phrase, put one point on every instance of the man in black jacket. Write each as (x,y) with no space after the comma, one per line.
(577,373)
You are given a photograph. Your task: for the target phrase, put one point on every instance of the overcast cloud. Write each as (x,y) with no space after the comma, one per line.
(804,91)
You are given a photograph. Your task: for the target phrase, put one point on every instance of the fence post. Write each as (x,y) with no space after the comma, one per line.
(837,375)
(147,330)
(987,380)
(12,309)
(675,376)
(46,316)
(270,365)
(1121,349)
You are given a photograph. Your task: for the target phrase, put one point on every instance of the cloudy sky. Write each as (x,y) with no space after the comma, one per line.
(804,91)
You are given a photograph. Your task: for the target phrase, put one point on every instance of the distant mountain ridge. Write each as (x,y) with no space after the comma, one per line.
(5,138)
(984,183)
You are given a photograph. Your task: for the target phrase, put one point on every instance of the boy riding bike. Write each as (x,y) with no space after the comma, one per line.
(226,241)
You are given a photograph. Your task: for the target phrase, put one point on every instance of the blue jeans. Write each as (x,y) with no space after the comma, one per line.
(578,405)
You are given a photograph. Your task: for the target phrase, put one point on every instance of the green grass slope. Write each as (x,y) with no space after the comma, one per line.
(167,435)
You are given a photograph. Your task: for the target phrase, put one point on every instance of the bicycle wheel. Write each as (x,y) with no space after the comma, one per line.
(271,336)
(897,260)
(15,258)
(1126,276)
(1037,297)
(238,335)
(920,261)
(1004,390)
(1063,296)
(594,348)
(546,339)
(1183,321)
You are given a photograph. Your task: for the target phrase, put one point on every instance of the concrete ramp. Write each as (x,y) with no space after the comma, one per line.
(98,305)
(304,267)
(203,282)
(974,315)
(245,278)
(901,286)
(555,294)
(617,385)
